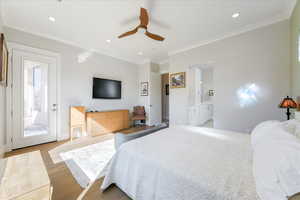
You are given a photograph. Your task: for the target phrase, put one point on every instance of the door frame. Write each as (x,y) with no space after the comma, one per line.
(151,96)
(163,90)
(9,106)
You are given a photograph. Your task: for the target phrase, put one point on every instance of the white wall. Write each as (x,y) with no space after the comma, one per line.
(260,57)
(144,76)
(2,107)
(155,114)
(145,72)
(164,67)
(295,63)
(76,78)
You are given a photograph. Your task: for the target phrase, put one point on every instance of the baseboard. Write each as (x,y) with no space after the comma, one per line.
(63,137)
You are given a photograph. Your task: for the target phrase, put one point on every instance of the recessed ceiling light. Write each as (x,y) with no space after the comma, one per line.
(235,15)
(52,19)
(140,53)
(108,41)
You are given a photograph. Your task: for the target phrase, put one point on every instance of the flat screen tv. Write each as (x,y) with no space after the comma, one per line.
(106,89)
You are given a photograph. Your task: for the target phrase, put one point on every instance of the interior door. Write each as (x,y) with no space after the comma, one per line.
(155,112)
(34,101)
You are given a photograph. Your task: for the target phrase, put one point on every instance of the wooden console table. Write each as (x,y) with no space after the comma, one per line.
(77,120)
(100,123)
(24,177)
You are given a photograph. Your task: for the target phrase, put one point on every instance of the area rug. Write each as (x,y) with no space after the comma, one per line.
(86,163)
(76,144)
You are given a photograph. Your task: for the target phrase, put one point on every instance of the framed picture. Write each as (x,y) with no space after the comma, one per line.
(177,80)
(211,93)
(3,61)
(144,89)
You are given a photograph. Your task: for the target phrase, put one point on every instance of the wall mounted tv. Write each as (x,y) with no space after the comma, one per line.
(106,89)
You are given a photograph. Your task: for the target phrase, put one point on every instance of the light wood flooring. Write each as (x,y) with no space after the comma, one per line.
(64,185)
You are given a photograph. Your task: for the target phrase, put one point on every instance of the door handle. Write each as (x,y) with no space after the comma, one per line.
(54,107)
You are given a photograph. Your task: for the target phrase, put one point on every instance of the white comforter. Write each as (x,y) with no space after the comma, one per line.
(184,163)
(276,160)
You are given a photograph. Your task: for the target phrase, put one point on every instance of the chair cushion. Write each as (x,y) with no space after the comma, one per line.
(139,110)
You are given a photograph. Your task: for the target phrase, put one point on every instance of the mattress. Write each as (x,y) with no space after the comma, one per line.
(184,163)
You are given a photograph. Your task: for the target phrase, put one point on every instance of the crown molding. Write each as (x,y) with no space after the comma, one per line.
(164,62)
(73,44)
(146,61)
(149,61)
(291,4)
(245,29)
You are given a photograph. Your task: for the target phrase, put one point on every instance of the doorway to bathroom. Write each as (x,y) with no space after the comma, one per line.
(201,96)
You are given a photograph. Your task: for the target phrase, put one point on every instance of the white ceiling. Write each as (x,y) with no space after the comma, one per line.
(184,23)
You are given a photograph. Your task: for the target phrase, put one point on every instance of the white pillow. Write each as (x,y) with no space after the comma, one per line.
(292,126)
(262,131)
(276,160)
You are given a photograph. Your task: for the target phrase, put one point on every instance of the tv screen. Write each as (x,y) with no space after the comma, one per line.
(106,89)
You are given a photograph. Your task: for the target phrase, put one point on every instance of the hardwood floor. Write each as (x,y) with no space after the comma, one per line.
(64,185)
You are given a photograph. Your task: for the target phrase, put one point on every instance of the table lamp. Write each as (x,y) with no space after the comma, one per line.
(288,103)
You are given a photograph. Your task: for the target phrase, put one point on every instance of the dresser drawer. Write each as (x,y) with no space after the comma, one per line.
(100,123)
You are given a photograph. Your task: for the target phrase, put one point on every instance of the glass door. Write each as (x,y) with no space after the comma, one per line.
(34,99)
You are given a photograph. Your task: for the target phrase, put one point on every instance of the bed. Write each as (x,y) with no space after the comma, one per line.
(184,163)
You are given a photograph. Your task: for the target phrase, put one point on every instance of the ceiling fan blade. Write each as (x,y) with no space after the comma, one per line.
(154,36)
(129,33)
(144,17)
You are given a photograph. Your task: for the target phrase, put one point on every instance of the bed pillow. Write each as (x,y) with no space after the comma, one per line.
(263,131)
(292,126)
(276,161)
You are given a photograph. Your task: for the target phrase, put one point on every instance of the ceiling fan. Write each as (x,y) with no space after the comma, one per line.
(144,18)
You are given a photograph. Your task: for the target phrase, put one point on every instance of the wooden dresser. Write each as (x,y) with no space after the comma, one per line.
(100,123)
(77,120)
(24,177)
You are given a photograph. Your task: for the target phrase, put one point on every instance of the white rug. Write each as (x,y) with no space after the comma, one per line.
(76,144)
(87,162)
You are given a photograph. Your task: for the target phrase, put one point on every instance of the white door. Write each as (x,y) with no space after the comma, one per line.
(34,100)
(155,111)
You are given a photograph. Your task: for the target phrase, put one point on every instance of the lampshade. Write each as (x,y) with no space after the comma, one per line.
(288,103)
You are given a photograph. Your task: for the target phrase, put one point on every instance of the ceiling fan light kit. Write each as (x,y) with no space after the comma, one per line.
(144,19)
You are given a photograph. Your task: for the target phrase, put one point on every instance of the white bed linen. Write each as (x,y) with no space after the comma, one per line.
(184,163)
(276,161)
